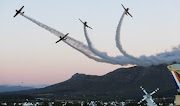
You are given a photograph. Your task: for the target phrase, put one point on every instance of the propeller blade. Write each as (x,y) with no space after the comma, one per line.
(142,100)
(154,91)
(143,90)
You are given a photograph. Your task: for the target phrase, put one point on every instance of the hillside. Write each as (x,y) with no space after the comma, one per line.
(122,83)
(5,88)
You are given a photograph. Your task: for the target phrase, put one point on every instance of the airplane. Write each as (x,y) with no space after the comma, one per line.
(126,9)
(62,38)
(19,11)
(85,24)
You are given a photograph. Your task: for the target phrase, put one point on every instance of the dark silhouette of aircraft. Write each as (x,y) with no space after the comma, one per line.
(62,38)
(126,9)
(85,24)
(19,11)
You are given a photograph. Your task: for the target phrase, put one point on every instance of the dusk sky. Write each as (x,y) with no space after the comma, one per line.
(30,55)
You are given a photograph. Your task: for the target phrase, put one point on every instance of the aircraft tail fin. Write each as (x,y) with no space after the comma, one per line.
(176,78)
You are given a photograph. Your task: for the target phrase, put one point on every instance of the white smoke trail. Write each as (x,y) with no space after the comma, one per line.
(126,59)
(91,52)
(121,60)
(119,46)
(118,42)
(168,57)
(83,49)
(71,42)
(161,58)
(80,46)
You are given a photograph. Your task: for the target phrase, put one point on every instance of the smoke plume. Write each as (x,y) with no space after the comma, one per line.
(91,52)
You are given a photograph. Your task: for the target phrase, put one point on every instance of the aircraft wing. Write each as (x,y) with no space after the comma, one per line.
(64,37)
(89,27)
(81,21)
(129,14)
(58,41)
(21,8)
(16,14)
(123,7)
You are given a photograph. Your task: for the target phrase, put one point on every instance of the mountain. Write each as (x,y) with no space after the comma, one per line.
(121,83)
(5,88)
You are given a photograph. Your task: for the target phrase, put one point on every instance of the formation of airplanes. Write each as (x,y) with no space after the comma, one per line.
(85,23)
(19,11)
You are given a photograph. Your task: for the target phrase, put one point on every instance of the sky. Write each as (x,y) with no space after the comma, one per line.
(30,55)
